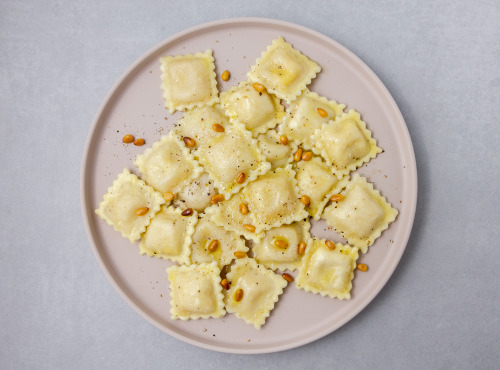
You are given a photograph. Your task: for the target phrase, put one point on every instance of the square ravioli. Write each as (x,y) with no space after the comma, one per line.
(327,272)
(169,235)
(283,70)
(278,249)
(307,114)
(255,111)
(214,243)
(260,289)
(317,180)
(276,153)
(362,215)
(198,124)
(345,143)
(122,205)
(229,155)
(189,81)
(197,194)
(195,292)
(273,200)
(168,165)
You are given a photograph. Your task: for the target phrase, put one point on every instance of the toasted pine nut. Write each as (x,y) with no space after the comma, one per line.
(250,228)
(243,208)
(322,112)
(287,277)
(259,87)
(330,245)
(238,295)
(187,212)
(188,141)
(281,243)
(337,197)
(362,267)
(142,211)
(240,254)
(225,75)
(127,139)
(241,178)
(284,139)
(225,284)
(139,142)
(298,155)
(301,248)
(218,127)
(307,156)
(217,198)
(305,200)
(168,196)
(212,247)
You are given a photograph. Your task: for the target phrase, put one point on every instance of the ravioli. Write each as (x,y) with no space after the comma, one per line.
(362,215)
(120,204)
(284,254)
(228,242)
(276,153)
(255,111)
(227,156)
(345,143)
(195,292)
(169,235)
(168,165)
(283,70)
(261,288)
(327,272)
(189,81)
(317,180)
(197,194)
(303,118)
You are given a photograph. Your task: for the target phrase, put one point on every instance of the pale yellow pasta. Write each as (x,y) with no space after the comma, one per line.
(273,199)
(197,194)
(278,249)
(197,124)
(303,118)
(283,70)
(169,235)
(189,81)
(345,143)
(195,292)
(261,288)
(230,154)
(255,111)
(124,198)
(362,215)
(276,153)
(168,165)
(327,272)
(228,242)
(317,180)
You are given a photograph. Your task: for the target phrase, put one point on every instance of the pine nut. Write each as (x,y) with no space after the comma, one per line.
(284,139)
(305,200)
(217,198)
(168,196)
(287,277)
(142,211)
(187,212)
(188,141)
(225,75)
(240,254)
(212,247)
(301,248)
(249,227)
(298,155)
(127,139)
(238,295)
(330,245)
(225,284)
(259,87)
(139,142)
(322,112)
(243,209)
(281,243)
(337,197)
(241,178)
(218,128)
(362,267)
(307,156)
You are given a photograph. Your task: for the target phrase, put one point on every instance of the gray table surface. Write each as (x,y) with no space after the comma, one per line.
(439,59)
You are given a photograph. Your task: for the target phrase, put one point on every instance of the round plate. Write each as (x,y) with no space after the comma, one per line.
(135,106)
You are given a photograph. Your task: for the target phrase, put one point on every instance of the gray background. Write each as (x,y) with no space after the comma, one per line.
(439,59)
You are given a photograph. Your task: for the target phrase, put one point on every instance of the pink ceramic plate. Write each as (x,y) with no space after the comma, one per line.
(135,106)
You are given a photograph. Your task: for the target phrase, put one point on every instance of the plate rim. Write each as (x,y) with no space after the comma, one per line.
(86,213)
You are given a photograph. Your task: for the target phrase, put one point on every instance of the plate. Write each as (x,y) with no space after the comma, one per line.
(135,106)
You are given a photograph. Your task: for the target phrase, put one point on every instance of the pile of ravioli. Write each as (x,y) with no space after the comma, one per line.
(267,237)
